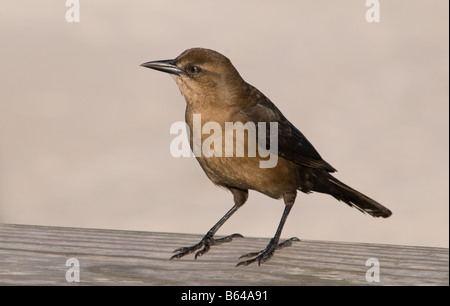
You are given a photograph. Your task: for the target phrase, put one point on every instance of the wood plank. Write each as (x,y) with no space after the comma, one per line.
(37,255)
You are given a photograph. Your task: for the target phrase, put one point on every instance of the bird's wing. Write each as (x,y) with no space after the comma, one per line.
(292,145)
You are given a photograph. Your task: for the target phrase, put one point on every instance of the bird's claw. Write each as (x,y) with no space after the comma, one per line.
(287,243)
(206,243)
(264,255)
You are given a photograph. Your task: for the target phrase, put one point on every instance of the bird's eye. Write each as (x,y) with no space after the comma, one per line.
(193,69)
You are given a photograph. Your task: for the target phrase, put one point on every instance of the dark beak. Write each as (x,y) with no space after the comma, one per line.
(168,66)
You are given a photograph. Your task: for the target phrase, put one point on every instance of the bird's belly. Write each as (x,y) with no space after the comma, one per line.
(246,173)
(217,153)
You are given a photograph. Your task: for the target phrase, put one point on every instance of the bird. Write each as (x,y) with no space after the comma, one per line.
(214,89)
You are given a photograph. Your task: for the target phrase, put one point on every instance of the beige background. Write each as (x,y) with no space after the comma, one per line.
(84,131)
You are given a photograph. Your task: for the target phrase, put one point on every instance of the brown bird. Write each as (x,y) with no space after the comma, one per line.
(214,89)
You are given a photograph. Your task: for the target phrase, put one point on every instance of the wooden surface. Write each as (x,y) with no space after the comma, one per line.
(37,255)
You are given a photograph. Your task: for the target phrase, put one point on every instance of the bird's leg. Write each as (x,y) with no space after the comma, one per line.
(208,239)
(265,254)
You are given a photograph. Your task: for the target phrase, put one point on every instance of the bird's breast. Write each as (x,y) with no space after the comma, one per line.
(230,155)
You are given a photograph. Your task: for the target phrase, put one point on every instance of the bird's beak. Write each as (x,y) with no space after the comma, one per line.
(168,66)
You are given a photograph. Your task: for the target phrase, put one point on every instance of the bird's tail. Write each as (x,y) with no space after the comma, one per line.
(353,198)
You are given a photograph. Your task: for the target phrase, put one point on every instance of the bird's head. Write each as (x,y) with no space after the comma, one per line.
(201,74)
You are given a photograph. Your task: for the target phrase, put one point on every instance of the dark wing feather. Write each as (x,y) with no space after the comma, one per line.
(292,144)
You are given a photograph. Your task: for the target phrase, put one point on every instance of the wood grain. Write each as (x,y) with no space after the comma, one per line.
(37,255)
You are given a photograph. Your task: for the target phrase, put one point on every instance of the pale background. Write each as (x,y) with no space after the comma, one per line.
(84,131)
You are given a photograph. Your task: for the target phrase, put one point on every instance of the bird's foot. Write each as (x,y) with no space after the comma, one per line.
(264,255)
(206,243)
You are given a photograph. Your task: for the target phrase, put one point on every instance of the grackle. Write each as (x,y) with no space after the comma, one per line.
(213,88)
